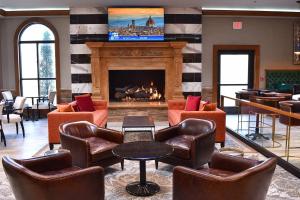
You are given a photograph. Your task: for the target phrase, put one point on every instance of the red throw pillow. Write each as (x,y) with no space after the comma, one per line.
(192,103)
(85,103)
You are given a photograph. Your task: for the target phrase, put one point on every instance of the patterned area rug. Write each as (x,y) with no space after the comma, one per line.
(284,186)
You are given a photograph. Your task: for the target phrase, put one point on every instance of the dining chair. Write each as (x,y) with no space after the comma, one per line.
(7,96)
(16,116)
(2,136)
(43,103)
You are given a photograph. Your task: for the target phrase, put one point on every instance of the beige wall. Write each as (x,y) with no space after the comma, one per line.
(7,31)
(1,83)
(274,35)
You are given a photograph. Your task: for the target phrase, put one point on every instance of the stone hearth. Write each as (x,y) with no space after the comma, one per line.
(136,56)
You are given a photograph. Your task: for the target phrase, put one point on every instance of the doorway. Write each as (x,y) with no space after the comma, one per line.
(235,67)
(235,73)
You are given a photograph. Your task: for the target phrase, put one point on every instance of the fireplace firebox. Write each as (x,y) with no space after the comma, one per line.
(136,85)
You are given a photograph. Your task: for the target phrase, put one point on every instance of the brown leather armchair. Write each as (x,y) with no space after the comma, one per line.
(193,142)
(53,177)
(90,145)
(227,178)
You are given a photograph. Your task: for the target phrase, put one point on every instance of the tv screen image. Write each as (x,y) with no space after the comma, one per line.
(135,24)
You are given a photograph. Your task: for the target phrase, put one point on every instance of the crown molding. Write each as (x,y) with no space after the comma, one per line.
(33,13)
(251,13)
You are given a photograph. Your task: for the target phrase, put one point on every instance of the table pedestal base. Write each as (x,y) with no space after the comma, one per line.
(138,189)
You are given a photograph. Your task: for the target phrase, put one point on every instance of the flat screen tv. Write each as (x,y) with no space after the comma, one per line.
(135,24)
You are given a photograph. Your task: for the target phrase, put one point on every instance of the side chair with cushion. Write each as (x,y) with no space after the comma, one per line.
(8,97)
(227,178)
(177,113)
(193,141)
(16,115)
(2,136)
(89,144)
(53,177)
(43,103)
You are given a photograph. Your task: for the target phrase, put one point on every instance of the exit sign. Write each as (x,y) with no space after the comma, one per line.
(237,25)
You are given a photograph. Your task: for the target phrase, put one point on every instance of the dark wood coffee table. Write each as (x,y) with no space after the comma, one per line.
(142,151)
(136,123)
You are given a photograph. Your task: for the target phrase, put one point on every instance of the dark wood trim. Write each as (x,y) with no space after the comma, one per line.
(21,27)
(216,48)
(26,13)
(2,12)
(287,68)
(281,162)
(250,13)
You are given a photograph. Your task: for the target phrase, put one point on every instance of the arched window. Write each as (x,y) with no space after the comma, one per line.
(37,58)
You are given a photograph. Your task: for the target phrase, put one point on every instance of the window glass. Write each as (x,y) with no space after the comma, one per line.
(28,60)
(37,61)
(36,32)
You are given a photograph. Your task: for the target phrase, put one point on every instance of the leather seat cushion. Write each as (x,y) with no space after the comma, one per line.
(62,171)
(182,146)
(218,172)
(100,148)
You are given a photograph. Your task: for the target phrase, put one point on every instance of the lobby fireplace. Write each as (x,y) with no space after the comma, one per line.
(114,56)
(136,85)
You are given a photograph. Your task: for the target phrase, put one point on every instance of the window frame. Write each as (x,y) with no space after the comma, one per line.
(18,72)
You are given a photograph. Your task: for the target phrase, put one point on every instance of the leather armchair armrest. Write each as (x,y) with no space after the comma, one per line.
(231,163)
(79,148)
(193,184)
(165,134)
(111,135)
(202,148)
(85,183)
(47,163)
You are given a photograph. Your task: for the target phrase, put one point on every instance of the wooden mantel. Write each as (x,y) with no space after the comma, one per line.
(136,56)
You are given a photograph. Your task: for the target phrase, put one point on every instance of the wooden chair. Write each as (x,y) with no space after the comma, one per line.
(16,116)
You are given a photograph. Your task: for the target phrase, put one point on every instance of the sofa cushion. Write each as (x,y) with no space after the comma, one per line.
(85,103)
(192,103)
(209,107)
(65,108)
(174,116)
(100,116)
(75,106)
(182,146)
(100,148)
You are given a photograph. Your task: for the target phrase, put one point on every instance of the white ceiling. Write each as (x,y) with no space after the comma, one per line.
(284,5)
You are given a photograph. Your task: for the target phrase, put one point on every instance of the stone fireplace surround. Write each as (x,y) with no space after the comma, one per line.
(107,56)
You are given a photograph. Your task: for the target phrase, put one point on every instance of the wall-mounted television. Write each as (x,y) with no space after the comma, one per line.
(135,24)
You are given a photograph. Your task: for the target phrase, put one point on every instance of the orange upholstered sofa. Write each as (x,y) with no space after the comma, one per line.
(55,118)
(176,114)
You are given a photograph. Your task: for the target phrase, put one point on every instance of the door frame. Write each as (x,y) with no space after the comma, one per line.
(217,48)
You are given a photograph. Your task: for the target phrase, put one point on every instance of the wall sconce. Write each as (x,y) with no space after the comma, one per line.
(297,43)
